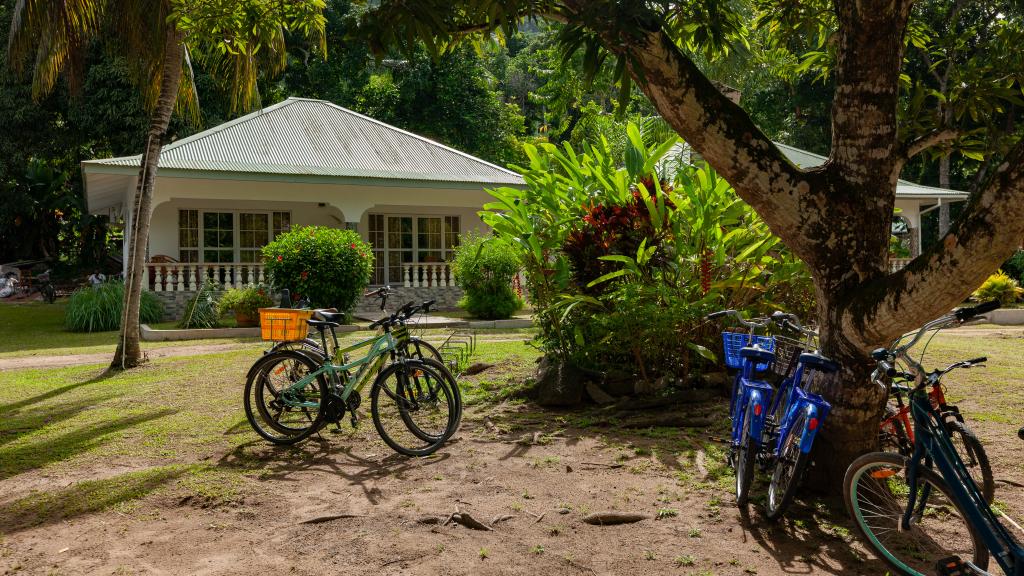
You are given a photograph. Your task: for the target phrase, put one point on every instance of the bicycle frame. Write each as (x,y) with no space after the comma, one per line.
(380,349)
(799,400)
(932,444)
(750,394)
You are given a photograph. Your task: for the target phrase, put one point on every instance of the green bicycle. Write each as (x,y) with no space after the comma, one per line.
(291,394)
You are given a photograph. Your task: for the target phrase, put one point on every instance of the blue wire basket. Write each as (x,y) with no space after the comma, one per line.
(733,342)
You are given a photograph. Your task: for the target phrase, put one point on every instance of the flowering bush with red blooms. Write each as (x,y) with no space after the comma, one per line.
(330,267)
(607,229)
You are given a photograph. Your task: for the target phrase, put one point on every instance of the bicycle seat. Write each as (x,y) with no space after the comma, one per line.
(757,354)
(328,315)
(818,362)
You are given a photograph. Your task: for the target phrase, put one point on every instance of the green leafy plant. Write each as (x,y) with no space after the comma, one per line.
(245,301)
(328,266)
(999,286)
(484,268)
(624,258)
(201,309)
(99,309)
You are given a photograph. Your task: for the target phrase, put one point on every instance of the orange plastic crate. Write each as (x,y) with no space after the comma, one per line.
(284,324)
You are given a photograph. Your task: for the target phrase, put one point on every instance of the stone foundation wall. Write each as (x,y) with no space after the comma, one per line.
(447,299)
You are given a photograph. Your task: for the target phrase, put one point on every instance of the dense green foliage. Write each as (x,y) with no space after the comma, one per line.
(327,266)
(701,249)
(201,309)
(99,309)
(484,268)
(246,301)
(1001,287)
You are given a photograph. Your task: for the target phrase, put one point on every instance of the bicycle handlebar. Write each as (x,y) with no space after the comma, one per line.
(965,314)
(751,323)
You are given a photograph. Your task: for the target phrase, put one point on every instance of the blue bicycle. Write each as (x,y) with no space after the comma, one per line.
(924,514)
(775,427)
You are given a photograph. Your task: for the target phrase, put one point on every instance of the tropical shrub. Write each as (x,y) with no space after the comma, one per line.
(639,253)
(484,267)
(99,309)
(1014,267)
(246,301)
(201,309)
(999,286)
(327,266)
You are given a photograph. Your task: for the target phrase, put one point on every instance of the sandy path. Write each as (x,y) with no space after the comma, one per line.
(47,361)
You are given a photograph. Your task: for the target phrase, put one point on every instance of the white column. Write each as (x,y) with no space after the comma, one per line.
(158,285)
(406,269)
(192,273)
(260,268)
(443,283)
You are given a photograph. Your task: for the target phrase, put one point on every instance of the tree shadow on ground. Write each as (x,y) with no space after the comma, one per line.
(40,508)
(15,459)
(317,455)
(49,394)
(18,423)
(797,542)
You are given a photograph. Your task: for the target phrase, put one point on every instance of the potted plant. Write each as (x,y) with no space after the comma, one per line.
(245,303)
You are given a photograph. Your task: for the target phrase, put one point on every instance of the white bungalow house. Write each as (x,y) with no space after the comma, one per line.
(224,193)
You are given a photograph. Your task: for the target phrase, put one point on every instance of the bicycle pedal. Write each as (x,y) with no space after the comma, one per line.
(952,566)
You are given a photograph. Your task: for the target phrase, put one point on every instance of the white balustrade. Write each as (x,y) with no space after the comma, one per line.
(897,264)
(178,277)
(427,275)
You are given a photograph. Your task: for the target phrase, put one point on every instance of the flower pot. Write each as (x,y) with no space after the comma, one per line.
(244,320)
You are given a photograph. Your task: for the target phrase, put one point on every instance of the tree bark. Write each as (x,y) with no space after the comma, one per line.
(129,350)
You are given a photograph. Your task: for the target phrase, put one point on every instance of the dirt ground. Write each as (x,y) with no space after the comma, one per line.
(345,503)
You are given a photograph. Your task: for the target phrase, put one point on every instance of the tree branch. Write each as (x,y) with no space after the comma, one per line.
(716,127)
(934,138)
(987,233)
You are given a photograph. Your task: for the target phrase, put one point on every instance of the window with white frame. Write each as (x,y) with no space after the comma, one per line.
(226,237)
(399,240)
(188,235)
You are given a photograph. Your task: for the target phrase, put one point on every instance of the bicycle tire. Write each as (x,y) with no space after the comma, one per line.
(782,488)
(745,460)
(428,443)
(972,452)
(259,408)
(890,469)
(452,383)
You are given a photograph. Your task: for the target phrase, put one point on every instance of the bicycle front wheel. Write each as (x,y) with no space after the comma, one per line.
(746,457)
(789,469)
(409,422)
(973,455)
(876,493)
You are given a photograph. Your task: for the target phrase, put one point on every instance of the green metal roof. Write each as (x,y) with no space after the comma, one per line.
(300,136)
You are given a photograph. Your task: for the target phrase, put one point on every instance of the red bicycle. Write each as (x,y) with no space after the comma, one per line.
(897,432)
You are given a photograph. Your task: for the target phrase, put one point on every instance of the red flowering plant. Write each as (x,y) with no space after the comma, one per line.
(609,228)
(330,267)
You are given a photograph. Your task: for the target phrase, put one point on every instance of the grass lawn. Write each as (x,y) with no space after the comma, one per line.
(157,469)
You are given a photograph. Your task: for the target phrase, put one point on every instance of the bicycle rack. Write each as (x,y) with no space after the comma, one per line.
(457,349)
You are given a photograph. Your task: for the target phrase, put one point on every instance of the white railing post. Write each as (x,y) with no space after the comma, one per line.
(262,279)
(192,277)
(444,275)
(158,280)
(406,279)
(416,271)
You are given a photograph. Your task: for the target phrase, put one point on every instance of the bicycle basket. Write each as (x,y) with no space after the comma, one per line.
(733,342)
(787,353)
(284,324)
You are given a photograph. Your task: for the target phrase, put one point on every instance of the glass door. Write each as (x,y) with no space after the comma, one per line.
(400,248)
(218,237)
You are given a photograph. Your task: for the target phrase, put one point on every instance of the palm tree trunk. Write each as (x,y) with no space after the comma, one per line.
(129,351)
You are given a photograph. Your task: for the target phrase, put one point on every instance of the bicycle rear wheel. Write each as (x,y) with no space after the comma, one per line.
(408,425)
(277,410)
(425,386)
(876,494)
(789,470)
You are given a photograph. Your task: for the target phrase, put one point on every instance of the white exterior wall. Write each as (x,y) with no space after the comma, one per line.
(342,203)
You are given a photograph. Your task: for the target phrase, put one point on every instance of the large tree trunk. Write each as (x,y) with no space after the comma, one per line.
(129,350)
